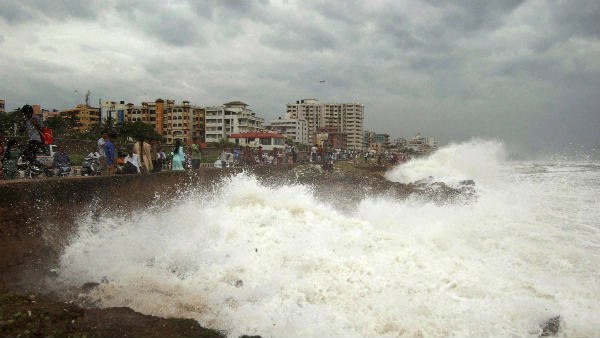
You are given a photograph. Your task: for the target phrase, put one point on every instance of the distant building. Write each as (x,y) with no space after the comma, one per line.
(46,114)
(422,145)
(346,117)
(267,141)
(172,121)
(84,114)
(113,110)
(382,139)
(231,118)
(400,142)
(2,109)
(292,128)
(331,138)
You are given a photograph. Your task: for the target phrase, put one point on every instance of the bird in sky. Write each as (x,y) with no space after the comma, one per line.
(322,81)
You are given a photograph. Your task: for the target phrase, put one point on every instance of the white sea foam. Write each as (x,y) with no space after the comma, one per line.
(277,262)
(476,159)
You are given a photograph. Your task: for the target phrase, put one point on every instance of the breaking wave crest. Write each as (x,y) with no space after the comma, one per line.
(278,262)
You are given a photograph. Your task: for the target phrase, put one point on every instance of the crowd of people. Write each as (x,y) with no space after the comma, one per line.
(147,156)
(12,150)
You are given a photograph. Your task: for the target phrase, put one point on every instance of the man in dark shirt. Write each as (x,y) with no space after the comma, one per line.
(33,125)
(61,158)
(109,151)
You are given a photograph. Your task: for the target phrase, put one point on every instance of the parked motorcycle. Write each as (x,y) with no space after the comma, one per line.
(35,170)
(90,165)
(63,170)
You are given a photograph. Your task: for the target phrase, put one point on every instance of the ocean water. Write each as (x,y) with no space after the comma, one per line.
(278,262)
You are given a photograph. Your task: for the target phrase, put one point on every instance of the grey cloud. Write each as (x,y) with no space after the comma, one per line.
(346,12)
(227,11)
(299,36)
(46,48)
(472,15)
(174,27)
(580,18)
(413,73)
(15,11)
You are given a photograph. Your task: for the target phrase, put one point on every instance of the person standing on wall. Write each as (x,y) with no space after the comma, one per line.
(196,154)
(178,156)
(143,151)
(100,150)
(154,156)
(34,126)
(109,153)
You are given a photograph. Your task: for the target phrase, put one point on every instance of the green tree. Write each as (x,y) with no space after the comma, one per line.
(8,120)
(58,125)
(137,129)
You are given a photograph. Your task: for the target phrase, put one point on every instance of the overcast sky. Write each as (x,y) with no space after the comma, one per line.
(526,72)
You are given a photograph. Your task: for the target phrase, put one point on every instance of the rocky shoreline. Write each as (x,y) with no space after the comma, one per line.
(33,315)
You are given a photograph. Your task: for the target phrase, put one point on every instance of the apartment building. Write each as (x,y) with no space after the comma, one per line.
(113,110)
(85,115)
(382,139)
(293,129)
(345,117)
(172,121)
(422,145)
(231,118)
(331,138)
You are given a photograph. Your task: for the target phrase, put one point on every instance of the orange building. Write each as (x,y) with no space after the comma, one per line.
(85,115)
(170,120)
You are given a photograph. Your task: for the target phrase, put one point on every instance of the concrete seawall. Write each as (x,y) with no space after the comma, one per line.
(38,216)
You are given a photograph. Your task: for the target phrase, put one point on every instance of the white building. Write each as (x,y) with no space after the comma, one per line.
(345,117)
(267,141)
(422,145)
(293,129)
(113,109)
(232,117)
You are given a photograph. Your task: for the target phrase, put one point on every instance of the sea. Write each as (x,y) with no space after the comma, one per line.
(279,261)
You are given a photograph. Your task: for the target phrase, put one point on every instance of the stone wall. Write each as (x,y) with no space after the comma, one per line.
(37,216)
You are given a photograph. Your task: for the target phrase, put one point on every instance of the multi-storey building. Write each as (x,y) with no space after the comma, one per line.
(331,138)
(293,129)
(113,110)
(231,118)
(84,114)
(172,121)
(382,139)
(2,109)
(422,145)
(345,117)
(376,141)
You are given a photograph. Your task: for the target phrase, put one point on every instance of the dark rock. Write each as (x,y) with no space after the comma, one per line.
(239,283)
(467,182)
(89,286)
(550,327)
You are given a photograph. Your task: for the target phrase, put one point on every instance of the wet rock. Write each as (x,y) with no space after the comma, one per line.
(550,327)
(467,182)
(89,286)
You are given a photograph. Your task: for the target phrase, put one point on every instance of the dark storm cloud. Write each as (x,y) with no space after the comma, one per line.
(173,25)
(509,69)
(233,9)
(580,18)
(472,15)
(16,11)
(300,37)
